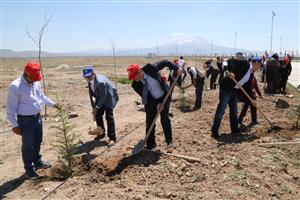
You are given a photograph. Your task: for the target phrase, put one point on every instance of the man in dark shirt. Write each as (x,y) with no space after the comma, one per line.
(239,69)
(148,83)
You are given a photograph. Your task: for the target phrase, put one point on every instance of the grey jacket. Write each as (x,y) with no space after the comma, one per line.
(104,92)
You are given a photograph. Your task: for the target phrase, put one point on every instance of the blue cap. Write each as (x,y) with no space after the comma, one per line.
(239,54)
(256,59)
(87,71)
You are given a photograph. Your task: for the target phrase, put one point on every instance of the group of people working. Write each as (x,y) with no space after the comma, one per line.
(26,98)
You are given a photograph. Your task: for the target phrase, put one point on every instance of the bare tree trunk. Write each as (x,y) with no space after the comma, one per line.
(38,42)
(115,61)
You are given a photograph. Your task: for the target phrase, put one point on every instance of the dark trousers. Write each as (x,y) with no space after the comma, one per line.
(32,136)
(243,113)
(283,82)
(230,98)
(198,92)
(151,111)
(221,76)
(109,116)
(213,80)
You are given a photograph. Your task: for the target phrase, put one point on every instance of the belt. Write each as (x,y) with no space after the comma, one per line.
(36,115)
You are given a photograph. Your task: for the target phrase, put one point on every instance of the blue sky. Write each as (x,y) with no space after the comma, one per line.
(84,25)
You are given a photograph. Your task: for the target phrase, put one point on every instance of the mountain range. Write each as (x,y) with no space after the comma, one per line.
(192,47)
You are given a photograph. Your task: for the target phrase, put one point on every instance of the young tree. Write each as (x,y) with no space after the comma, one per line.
(65,144)
(38,42)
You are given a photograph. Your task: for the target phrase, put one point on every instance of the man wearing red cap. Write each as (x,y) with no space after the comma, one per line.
(25,99)
(148,83)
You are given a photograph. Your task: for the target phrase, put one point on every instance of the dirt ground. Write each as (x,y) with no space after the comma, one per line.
(234,167)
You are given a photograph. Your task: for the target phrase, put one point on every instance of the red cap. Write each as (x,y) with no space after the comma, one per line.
(132,70)
(34,71)
(164,77)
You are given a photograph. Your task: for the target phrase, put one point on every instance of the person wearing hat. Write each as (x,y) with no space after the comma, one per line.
(25,99)
(147,82)
(105,94)
(272,74)
(238,69)
(213,72)
(251,88)
(181,64)
(172,76)
(198,81)
(285,72)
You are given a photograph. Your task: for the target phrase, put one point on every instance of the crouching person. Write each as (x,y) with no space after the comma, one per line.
(198,81)
(147,82)
(25,100)
(106,98)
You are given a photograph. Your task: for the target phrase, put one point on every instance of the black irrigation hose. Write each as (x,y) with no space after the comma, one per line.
(97,154)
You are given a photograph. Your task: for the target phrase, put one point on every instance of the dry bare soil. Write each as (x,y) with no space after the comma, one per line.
(234,167)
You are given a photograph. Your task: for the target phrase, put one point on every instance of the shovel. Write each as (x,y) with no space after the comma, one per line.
(261,112)
(280,103)
(141,144)
(97,130)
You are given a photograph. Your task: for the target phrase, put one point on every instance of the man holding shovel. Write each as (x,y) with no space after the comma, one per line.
(147,82)
(106,98)
(25,99)
(239,69)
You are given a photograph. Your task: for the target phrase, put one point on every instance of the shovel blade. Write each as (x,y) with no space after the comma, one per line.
(282,104)
(138,147)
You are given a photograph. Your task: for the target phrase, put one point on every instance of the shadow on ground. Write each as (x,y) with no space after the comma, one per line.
(231,138)
(143,158)
(89,146)
(11,185)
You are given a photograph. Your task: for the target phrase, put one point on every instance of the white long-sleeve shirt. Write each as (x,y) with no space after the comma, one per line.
(154,87)
(25,99)
(245,78)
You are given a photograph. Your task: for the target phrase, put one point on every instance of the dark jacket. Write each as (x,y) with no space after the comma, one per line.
(239,68)
(104,92)
(251,88)
(152,70)
(198,77)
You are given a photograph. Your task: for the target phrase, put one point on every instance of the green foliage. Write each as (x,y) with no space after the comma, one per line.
(122,80)
(182,99)
(65,144)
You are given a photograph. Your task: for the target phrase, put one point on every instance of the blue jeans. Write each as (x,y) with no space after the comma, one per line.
(32,135)
(230,98)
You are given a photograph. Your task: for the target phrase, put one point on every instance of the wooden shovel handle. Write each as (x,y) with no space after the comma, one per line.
(247,95)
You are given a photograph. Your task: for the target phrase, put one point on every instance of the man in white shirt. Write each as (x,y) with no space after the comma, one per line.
(25,99)
(198,81)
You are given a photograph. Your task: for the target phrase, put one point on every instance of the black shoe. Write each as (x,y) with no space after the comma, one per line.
(152,147)
(32,175)
(42,165)
(215,136)
(196,108)
(111,143)
(171,145)
(99,137)
(254,123)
